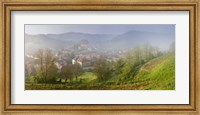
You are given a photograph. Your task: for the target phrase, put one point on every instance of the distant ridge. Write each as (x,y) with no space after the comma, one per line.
(102,41)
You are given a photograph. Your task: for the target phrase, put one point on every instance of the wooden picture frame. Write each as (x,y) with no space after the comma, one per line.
(154,5)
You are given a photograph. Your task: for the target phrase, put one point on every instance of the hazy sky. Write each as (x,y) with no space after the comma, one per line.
(97,28)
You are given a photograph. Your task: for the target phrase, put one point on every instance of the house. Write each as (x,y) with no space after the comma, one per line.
(58,65)
(86,62)
(74,61)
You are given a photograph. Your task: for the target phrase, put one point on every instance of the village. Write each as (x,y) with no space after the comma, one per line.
(94,57)
(82,54)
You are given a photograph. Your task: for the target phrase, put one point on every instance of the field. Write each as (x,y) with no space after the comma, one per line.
(156,74)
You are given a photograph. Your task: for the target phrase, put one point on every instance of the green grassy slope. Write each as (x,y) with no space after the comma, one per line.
(158,74)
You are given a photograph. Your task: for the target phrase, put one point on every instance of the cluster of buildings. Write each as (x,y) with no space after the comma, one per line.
(65,57)
(86,61)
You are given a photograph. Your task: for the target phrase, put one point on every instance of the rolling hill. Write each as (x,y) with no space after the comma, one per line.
(101,41)
(157,74)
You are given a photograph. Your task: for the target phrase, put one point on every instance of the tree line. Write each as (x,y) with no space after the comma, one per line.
(123,69)
(127,66)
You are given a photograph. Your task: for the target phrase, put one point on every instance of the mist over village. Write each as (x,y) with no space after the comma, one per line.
(99,57)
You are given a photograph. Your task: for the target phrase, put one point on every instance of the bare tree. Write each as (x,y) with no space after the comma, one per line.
(45,59)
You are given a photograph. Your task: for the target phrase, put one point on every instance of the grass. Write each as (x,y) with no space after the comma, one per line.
(157,74)
(81,82)
(87,77)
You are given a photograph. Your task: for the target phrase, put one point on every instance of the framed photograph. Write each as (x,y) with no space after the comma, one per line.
(100,56)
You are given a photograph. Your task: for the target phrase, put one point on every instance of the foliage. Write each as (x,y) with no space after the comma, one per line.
(47,71)
(158,73)
(134,59)
(68,72)
(143,67)
(102,70)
